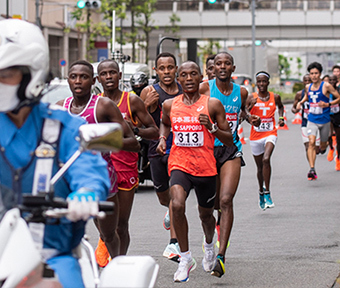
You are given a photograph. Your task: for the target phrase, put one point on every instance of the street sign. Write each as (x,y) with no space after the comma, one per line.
(62,62)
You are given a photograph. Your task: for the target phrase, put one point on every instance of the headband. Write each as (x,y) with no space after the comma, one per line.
(263,74)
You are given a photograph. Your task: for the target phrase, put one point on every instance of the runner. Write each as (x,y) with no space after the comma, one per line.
(95,109)
(263,138)
(154,96)
(140,121)
(336,72)
(335,127)
(229,159)
(304,115)
(209,67)
(317,93)
(191,161)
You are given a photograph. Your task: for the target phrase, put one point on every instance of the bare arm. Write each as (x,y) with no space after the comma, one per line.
(165,126)
(217,114)
(280,107)
(204,88)
(150,131)
(296,100)
(334,92)
(150,97)
(245,114)
(107,111)
(303,100)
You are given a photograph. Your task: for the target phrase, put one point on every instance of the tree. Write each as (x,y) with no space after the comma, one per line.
(284,66)
(145,23)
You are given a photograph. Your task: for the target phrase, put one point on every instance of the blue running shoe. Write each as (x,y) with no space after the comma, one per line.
(268,201)
(219,268)
(262,202)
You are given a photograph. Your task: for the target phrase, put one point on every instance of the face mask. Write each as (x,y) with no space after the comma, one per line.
(8,97)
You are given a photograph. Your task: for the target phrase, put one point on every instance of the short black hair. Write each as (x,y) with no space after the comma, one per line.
(164,55)
(262,73)
(83,62)
(211,57)
(335,67)
(108,61)
(225,53)
(316,65)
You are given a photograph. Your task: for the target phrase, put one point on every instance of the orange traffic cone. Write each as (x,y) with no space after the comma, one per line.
(240,134)
(297,118)
(284,127)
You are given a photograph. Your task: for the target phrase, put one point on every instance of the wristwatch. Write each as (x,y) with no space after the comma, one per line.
(214,128)
(135,130)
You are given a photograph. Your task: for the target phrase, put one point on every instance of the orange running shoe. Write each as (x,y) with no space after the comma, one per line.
(337,164)
(101,253)
(330,155)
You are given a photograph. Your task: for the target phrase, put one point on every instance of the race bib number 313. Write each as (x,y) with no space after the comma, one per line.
(189,139)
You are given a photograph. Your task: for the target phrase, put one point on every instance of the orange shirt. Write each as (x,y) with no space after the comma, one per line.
(266,111)
(193,145)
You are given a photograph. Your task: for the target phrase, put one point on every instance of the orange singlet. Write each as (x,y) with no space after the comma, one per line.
(266,111)
(193,145)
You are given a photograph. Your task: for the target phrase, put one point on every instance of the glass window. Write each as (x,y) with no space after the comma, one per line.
(291,4)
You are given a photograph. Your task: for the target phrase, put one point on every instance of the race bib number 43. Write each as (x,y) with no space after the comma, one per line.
(189,139)
(266,125)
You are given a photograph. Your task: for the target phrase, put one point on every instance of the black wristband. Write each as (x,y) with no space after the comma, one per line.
(135,130)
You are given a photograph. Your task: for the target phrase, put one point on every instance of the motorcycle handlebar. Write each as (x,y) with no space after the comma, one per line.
(40,201)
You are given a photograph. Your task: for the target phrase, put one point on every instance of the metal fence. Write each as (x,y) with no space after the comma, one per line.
(195,5)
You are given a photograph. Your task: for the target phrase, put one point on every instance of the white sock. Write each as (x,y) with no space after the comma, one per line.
(210,245)
(186,255)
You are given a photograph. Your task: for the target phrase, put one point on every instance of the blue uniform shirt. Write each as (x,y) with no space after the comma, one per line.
(17,157)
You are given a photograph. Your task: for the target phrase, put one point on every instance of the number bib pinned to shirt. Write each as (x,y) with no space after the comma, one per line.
(266,125)
(314,108)
(189,139)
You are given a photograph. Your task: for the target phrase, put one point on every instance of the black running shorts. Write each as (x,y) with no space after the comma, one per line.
(159,172)
(205,187)
(225,153)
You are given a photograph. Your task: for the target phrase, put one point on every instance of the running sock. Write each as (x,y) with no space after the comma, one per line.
(173,241)
(210,245)
(186,255)
(261,193)
(220,256)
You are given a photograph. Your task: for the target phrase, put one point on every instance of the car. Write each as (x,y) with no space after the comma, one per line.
(288,84)
(243,80)
(127,69)
(58,89)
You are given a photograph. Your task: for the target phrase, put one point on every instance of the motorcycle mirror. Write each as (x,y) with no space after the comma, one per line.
(101,137)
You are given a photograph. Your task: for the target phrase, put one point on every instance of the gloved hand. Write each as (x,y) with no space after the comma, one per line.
(82,205)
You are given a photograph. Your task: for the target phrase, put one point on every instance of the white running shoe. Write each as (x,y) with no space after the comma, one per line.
(171,250)
(209,258)
(166,221)
(183,270)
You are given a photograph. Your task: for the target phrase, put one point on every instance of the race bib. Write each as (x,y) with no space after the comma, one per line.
(314,108)
(266,125)
(189,139)
(232,119)
(335,108)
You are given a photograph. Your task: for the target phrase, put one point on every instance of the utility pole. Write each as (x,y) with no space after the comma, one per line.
(253,32)
(37,16)
(7,9)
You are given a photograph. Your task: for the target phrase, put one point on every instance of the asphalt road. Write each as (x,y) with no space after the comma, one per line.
(295,244)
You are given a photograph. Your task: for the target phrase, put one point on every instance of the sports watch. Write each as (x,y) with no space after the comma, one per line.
(214,128)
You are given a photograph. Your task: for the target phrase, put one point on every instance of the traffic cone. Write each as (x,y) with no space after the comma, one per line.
(297,119)
(240,134)
(284,127)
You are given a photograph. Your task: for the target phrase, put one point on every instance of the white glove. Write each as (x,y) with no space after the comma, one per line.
(82,205)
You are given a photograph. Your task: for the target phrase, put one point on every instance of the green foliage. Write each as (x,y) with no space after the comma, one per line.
(284,67)
(298,86)
(174,27)
(210,48)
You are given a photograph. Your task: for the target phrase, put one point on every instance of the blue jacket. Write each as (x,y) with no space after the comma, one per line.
(17,166)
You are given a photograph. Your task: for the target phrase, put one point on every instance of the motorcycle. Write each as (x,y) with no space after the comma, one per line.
(16,241)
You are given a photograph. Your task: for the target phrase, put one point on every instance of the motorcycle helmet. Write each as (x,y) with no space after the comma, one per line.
(23,46)
(138,82)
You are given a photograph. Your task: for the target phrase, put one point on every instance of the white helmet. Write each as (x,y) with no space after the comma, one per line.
(23,44)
